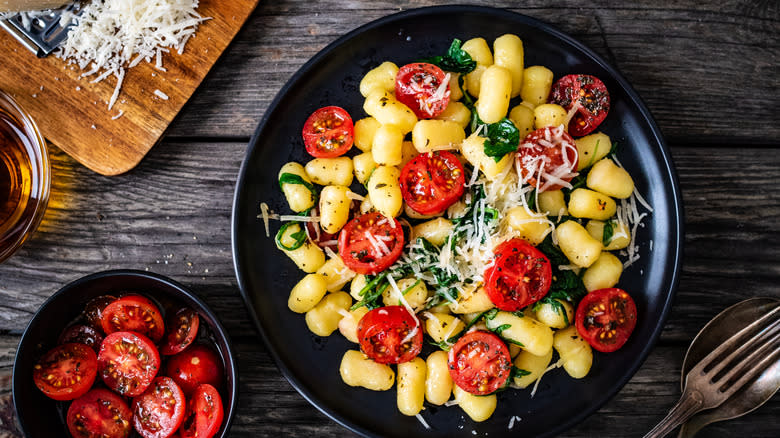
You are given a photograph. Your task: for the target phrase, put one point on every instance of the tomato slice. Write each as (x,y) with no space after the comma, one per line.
(159,411)
(134,313)
(99,413)
(547,157)
(93,312)
(328,132)
(81,334)
(128,362)
(390,334)
(66,372)
(370,243)
(521,275)
(432,181)
(591,97)
(204,413)
(479,362)
(424,88)
(182,329)
(196,365)
(605,318)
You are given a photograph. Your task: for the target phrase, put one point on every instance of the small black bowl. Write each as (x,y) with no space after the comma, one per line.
(40,416)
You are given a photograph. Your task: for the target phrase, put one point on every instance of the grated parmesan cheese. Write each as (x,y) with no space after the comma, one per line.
(160,94)
(114,35)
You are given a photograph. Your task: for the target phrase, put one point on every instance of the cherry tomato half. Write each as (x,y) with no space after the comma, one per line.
(182,329)
(546,157)
(370,243)
(66,372)
(390,334)
(81,334)
(93,311)
(99,413)
(134,313)
(521,275)
(424,88)
(479,362)
(605,318)
(431,182)
(204,413)
(196,365)
(328,132)
(591,97)
(159,411)
(128,362)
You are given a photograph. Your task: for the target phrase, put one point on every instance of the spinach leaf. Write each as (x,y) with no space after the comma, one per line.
(300,237)
(501,328)
(291,178)
(503,137)
(609,231)
(566,284)
(456,60)
(518,372)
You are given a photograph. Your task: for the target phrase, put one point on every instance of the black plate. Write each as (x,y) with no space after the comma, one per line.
(266,276)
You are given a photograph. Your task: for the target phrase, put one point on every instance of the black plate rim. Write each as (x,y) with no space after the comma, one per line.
(676,202)
(230,355)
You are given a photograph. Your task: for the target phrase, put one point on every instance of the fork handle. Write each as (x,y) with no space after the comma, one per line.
(689,404)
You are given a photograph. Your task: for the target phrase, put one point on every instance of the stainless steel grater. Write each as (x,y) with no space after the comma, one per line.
(44,33)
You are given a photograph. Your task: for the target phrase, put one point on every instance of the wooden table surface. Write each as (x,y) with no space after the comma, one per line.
(709,71)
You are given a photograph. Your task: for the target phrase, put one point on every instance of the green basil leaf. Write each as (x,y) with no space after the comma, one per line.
(609,231)
(456,60)
(503,137)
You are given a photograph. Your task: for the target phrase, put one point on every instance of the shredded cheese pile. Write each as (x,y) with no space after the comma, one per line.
(114,35)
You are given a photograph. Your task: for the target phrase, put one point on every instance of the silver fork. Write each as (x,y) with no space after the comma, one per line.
(713,380)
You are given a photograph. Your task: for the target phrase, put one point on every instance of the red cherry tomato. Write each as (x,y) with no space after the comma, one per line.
(196,365)
(99,413)
(128,362)
(390,334)
(605,318)
(591,97)
(521,275)
(81,334)
(424,88)
(431,182)
(370,243)
(546,157)
(66,372)
(182,329)
(93,312)
(479,362)
(159,411)
(328,132)
(134,313)
(204,413)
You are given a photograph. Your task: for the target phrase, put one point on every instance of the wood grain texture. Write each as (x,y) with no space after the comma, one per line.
(72,112)
(708,70)
(171,214)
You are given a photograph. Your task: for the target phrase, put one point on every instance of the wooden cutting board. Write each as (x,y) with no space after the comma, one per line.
(73,114)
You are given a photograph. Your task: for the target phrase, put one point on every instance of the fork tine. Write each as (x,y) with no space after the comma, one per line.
(755,368)
(750,344)
(730,342)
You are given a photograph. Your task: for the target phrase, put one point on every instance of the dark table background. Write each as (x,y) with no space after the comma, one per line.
(709,71)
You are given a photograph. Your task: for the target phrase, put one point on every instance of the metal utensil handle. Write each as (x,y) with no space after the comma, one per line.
(689,404)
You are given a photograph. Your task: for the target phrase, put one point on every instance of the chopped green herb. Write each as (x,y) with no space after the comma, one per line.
(609,231)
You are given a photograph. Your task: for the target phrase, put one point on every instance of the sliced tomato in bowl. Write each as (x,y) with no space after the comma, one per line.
(370,243)
(133,313)
(591,97)
(66,372)
(204,413)
(328,132)
(390,335)
(99,413)
(521,275)
(196,365)
(181,331)
(128,362)
(606,318)
(432,182)
(424,88)
(93,312)
(480,363)
(81,334)
(548,158)
(159,411)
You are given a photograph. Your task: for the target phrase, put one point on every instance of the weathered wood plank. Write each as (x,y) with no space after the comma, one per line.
(707,70)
